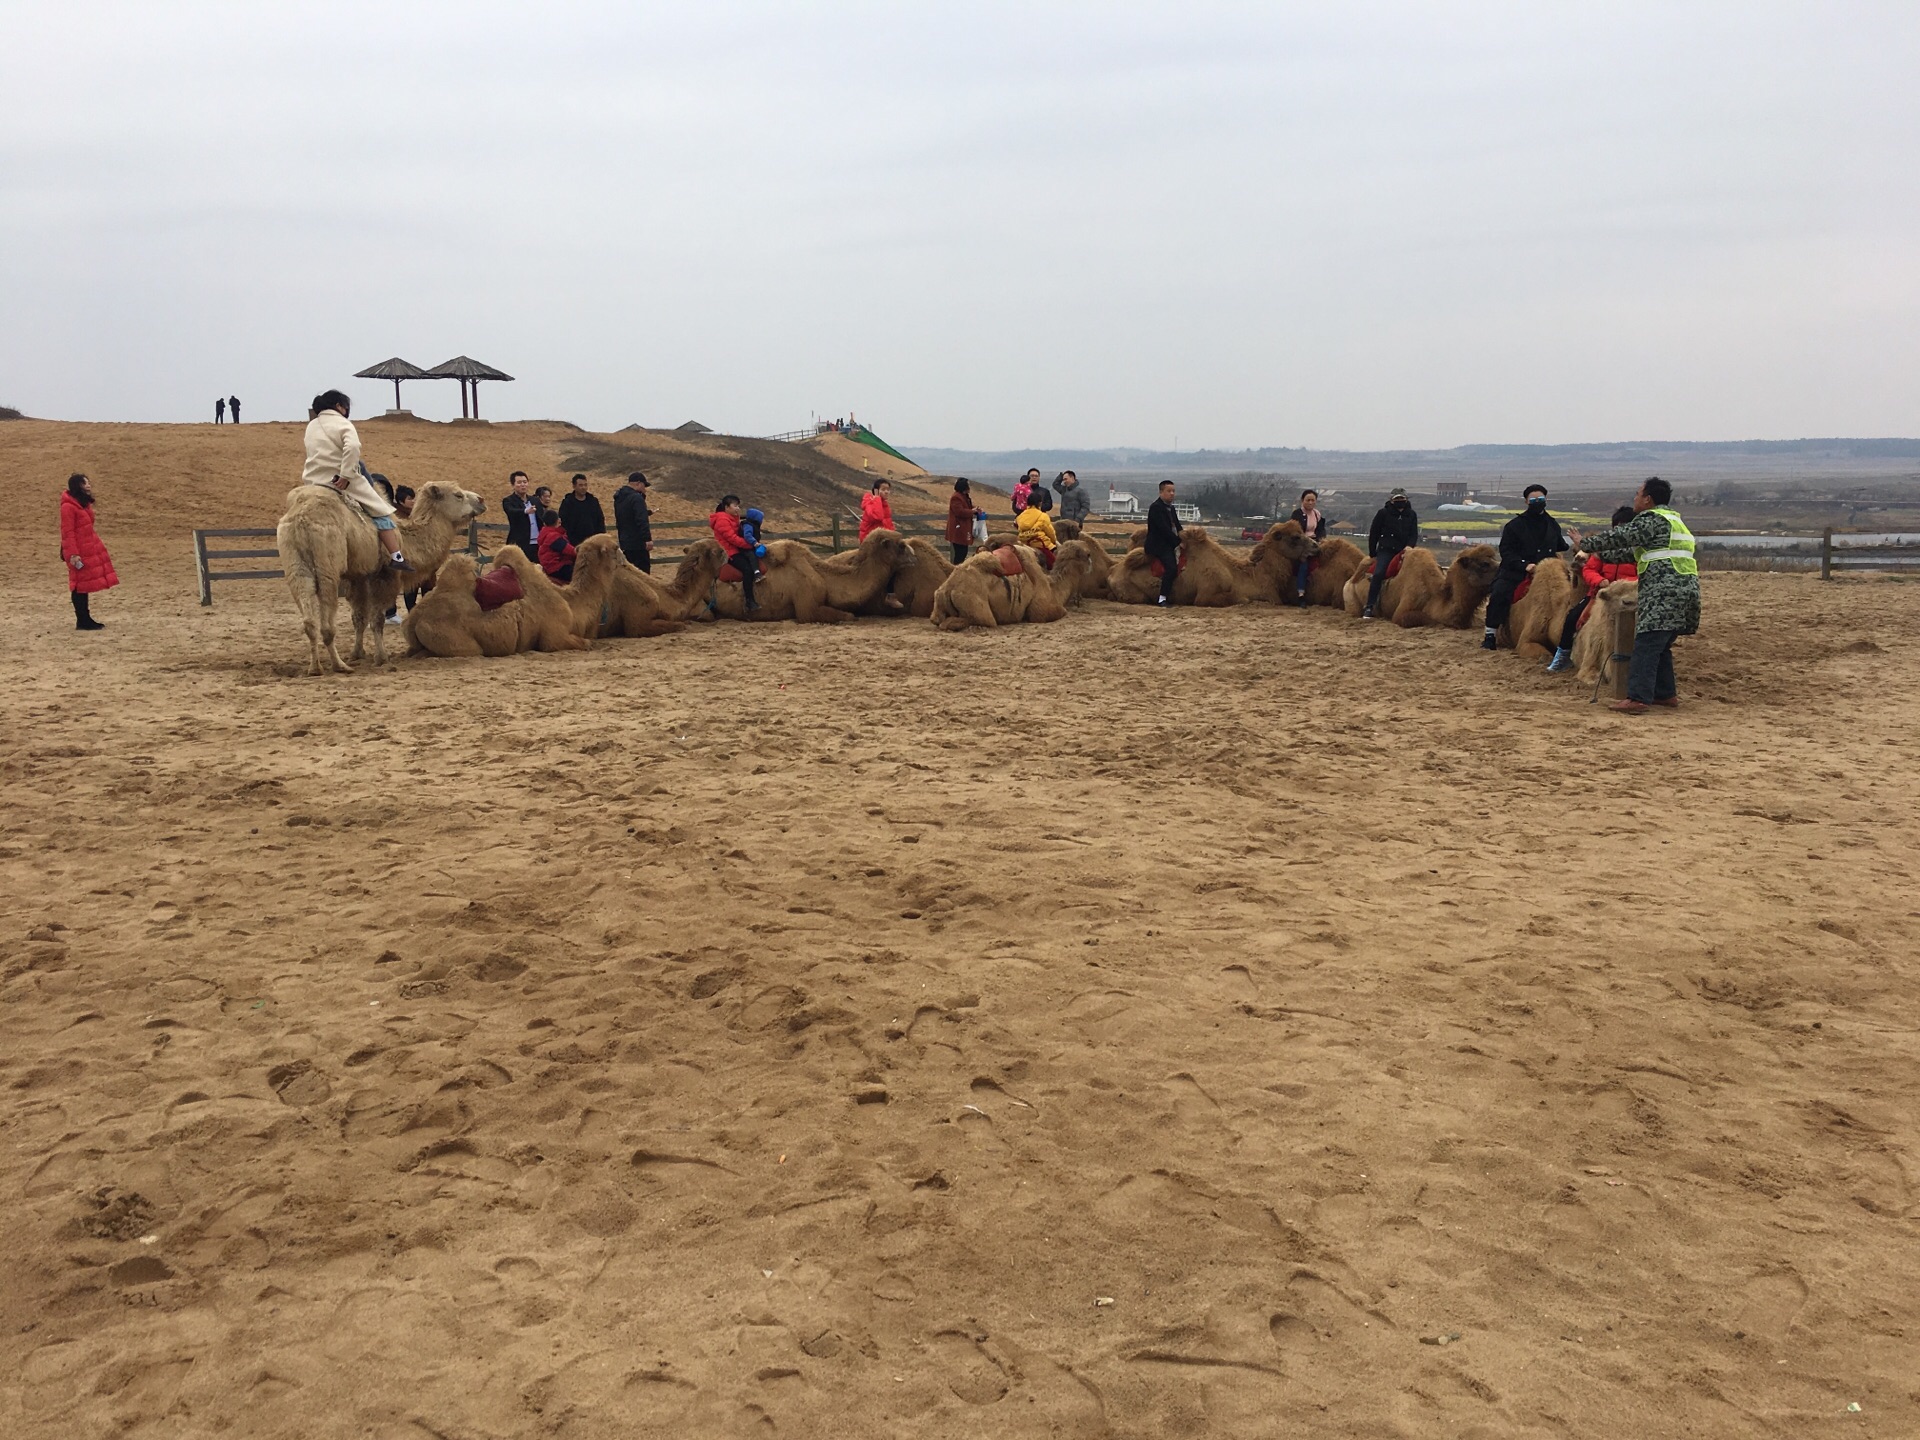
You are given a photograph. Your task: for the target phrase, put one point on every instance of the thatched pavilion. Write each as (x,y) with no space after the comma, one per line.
(395,370)
(469,372)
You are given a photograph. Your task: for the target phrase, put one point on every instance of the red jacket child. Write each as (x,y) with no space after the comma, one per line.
(875,513)
(556,553)
(1597,573)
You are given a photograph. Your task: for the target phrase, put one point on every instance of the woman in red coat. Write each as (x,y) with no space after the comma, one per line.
(875,511)
(89,567)
(960,513)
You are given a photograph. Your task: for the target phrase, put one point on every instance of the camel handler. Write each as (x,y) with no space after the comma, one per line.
(1528,538)
(1659,543)
(333,458)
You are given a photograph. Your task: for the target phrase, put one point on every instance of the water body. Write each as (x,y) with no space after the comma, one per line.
(1788,542)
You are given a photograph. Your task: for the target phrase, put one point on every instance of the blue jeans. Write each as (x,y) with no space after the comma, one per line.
(1300,578)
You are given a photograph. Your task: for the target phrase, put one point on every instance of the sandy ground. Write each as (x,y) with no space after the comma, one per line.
(1143,1025)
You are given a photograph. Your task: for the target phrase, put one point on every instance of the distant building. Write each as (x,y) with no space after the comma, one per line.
(1452,490)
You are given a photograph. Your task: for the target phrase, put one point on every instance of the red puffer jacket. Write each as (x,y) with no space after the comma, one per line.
(726,529)
(77,538)
(1597,573)
(875,514)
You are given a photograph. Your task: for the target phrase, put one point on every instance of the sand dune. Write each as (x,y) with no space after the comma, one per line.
(1141,1025)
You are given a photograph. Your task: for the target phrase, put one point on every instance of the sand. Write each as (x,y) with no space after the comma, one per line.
(1143,1025)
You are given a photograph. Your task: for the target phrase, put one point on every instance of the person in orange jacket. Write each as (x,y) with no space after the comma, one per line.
(1594,575)
(876,509)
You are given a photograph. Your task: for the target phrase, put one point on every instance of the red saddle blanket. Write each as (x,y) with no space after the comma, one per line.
(1393,565)
(1159,571)
(496,587)
(1009,559)
(728,575)
(1520,590)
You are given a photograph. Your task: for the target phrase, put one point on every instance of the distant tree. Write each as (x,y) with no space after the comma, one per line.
(1249,492)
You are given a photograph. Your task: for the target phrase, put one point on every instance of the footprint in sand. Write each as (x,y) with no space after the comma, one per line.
(1768,1303)
(970,1372)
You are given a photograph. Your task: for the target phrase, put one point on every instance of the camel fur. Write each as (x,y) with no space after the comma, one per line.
(976,593)
(449,621)
(1213,575)
(913,585)
(801,586)
(1338,559)
(328,546)
(640,606)
(1593,645)
(1423,594)
(1533,625)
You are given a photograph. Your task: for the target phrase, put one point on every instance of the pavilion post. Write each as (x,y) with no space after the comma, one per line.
(396,393)
(476,398)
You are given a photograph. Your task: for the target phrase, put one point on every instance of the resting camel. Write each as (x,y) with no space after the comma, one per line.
(1213,575)
(914,585)
(328,545)
(981,592)
(640,606)
(1593,646)
(449,621)
(1533,625)
(1332,567)
(799,586)
(1421,594)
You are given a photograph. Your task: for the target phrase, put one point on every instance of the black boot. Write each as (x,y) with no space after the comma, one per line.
(82,617)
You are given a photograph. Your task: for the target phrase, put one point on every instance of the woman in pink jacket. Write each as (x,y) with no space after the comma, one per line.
(89,567)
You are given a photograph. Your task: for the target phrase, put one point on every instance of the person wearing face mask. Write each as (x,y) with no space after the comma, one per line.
(1529,537)
(1395,528)
(1313,524)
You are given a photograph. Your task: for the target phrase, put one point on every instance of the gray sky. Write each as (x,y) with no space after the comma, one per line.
(980,225)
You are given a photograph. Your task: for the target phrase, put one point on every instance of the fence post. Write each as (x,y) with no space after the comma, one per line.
(1826,553)
(836,532)
(473,537)
(200,564)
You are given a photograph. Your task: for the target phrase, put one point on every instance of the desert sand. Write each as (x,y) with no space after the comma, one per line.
(1237,1023)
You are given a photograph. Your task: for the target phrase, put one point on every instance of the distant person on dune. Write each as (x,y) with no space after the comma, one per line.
(1396,527)
(333,459)
(1313,524)
(1163,541)
(741,553)
(1074,504)
(634,521)
(961,512)
(1528,538)
(219,411)
(233,408)
(581,514)
(1595,576)
(89,567)
(523,516)
(1662,548)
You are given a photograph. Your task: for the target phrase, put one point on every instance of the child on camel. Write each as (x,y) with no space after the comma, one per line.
(1035,527)
(741,552)
(1596,575)
(555,549)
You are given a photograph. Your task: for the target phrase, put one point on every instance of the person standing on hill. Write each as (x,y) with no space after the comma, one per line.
(1395,528)
(741,553)
(89,567)
(580,513)
(219,411)
(960,516)
(1163,540)
(1660,545)
(1527,539)
(1313,524)
(523,516)
(233,408)
(1074,504)
(634,521)
(876,509)
(333,459)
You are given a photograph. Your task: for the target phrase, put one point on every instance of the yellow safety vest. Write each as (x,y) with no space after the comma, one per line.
(1678,551)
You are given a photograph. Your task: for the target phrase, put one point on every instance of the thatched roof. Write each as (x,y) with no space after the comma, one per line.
(394,369)
(693,427)
(463,367)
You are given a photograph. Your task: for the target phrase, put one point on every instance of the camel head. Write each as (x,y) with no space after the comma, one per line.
(703,559)
(1476,566)
(1286,543)
(596,560)
(890,547)
(448,502)
(1071,565)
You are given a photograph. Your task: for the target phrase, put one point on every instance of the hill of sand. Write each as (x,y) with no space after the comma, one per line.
(855,456)
(1251,1023)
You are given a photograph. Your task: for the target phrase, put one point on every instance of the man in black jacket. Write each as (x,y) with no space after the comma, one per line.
(580,514)
(1163,540)
(634,521)
(1395,528)
(523,516)
(1529,537)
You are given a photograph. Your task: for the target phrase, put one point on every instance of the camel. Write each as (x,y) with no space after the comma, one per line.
(640,606)
(1593,646)
(800,586)
(980,592)
(1422,594)
(1213,575)
(448,619)
(1093,585)
(1332,567)
(328,546)
(1533,625)
(914,585)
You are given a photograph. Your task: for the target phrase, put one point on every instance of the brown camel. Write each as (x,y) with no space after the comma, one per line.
(980,592)
(1332,567)
(1533,625)
(1214,575)
(1093,585)
(913,586)
(1593,646)
(800,586)
(640,606)
(449,621)
(328,545)
(1422,594)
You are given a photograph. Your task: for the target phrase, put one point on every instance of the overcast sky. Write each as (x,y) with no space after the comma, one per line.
(982,225)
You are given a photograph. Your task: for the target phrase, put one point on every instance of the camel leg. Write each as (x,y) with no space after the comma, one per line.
(327,609)
(648,629)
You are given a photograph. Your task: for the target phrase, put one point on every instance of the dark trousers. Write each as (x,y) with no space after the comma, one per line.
(1572,626)
(748,567)
(1650,677)
(639,557)
(1500,598)
(1378,583)
(959,553)
(1169,572)
(529,548)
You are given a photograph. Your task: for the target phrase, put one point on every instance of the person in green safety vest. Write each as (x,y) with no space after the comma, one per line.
(1658,542)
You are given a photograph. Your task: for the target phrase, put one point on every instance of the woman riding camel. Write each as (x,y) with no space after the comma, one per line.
(333,458)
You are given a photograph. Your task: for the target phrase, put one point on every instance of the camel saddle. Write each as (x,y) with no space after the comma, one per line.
(496,587)
(1393,565)
(1520,590)
(1009,559)
(728,575)
(1159,571)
